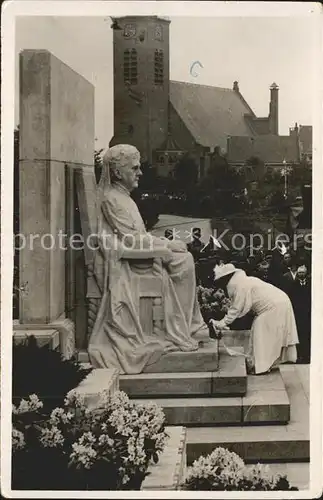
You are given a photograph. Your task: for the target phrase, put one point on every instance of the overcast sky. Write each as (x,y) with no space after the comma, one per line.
(254,51)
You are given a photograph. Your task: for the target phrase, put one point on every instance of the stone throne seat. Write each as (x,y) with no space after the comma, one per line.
(145,263)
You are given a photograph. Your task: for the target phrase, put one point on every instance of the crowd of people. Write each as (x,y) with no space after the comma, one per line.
(285,268)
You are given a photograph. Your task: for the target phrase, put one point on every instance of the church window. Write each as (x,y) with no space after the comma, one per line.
(130,67)
(129,31)
(159,67)
(158,33)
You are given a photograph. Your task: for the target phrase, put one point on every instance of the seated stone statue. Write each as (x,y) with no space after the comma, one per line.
(117,339)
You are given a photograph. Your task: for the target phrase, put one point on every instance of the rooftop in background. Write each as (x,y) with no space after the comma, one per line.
(269,148)
(210,113)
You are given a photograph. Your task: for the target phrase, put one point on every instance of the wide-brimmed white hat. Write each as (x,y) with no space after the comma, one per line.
(223,270)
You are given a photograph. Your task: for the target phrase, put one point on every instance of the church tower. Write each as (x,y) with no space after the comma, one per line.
(141,82)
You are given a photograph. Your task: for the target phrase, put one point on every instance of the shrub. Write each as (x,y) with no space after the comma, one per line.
(223,470)
(107,448)
(42,371)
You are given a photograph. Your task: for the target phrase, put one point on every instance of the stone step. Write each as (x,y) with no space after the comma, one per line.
(230,380)
(253,444)
(266,402)
(280,443)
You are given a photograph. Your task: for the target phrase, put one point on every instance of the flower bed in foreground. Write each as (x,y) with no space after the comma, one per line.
(77,448)
(223,470)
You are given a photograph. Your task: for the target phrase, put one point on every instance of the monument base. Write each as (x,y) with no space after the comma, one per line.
(205,359)
(59,334)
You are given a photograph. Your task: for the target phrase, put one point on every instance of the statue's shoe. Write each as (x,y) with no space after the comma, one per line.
(202,336)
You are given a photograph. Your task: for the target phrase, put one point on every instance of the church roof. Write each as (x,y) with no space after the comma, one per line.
(211,114)
(270,148)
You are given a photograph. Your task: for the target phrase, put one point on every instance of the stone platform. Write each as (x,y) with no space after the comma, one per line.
(265,402)
(205,359)
(229,380)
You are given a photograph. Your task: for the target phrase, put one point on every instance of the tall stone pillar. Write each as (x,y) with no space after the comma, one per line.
(56,138)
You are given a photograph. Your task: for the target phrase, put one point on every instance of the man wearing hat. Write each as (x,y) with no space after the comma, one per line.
(273,336)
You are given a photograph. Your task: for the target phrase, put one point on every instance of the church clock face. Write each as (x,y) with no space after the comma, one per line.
(158,33)
(129,31)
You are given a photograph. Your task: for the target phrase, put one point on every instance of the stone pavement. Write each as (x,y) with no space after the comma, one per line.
(297,381)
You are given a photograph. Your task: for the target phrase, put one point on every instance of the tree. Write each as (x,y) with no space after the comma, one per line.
(221,190)
(221,176)
(255,169)
(186,172)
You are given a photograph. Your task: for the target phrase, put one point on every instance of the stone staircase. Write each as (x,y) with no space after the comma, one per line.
(263,418)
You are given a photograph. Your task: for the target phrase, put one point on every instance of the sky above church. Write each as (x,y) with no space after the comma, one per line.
(254,51)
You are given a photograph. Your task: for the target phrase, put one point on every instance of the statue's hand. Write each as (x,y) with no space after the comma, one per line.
(177,246)
(166,256)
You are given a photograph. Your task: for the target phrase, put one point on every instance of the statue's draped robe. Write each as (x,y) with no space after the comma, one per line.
(273,334)
(117,339)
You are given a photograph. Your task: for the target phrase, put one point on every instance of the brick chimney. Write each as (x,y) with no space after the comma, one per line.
(273,109)
(236,86)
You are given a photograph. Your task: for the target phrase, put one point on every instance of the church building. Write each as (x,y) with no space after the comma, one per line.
(167,119)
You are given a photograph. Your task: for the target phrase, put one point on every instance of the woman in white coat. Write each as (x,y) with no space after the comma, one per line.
(273,333)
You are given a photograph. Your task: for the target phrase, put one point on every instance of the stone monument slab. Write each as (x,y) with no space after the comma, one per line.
(56,137)
(99,380)
(170,471)
(205,359)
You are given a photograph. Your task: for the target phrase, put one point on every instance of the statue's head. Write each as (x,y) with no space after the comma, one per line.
(123,162)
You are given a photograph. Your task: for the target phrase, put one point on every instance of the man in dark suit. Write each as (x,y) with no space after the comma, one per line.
(301,298)
(195,246)
(289,270)
(276,267)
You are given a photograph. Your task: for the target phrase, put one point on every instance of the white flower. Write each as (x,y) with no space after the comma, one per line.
(220,465)
(18,440)
(74,398)
(83,455)
(35,403)
(51,437)
(25,406)
(260,473)
(136,452)
(87,437)
(104,439)
(56,416)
